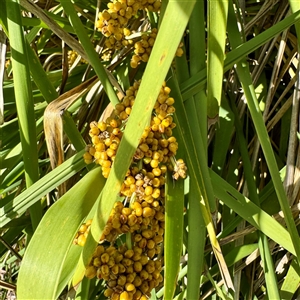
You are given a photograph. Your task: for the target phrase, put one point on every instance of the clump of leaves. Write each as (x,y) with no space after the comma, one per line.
(236,113)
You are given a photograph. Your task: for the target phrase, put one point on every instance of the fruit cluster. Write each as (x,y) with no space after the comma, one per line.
(129,273)
(133,269)
(113,21)
(156,148)
(72,55)
(143,48)
(82,233)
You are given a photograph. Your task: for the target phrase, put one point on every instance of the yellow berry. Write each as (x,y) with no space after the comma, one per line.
(81,240)
(156,172)
(148,212)
(94,131)
(102,126)
(148,190)
(124,296)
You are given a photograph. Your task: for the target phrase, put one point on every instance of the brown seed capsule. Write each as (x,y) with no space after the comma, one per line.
(144,259)
(90,272)
(129,253)
(105,258)
(111,262)
(150,244)
(136,256)
(108,292)
(129,270)
(118,257)
(137,281)
(97,262)
(123,219)
(131,220)
(158,239)
(122,280)
(111,283)
(122,269)
(115,269)
(99,250)
(104,270)
(148,234)
(127,262)
(142,243)
(144,287)
(115,295)
(151,253)
(144,275)
(137,266)
(150,267)
(130,277)
(136,238)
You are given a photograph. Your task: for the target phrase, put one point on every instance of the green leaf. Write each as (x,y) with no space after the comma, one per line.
(39,189)
(24,101)
(43,272)
(173,233)
(217,21)
(251,212)
(291,281)
(89,49)
(196,82)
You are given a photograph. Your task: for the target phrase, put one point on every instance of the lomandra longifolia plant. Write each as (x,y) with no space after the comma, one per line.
(149,149)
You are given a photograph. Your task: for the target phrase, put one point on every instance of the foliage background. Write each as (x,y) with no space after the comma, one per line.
(237,94)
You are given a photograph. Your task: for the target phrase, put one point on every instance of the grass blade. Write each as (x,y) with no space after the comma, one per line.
(196,243)
(253,214)
(173,233)
(196,82)
(217,21)
(291,281)
(39,189)
(243,73)
(24,102)
(267,262)
(198,170)
(90,51)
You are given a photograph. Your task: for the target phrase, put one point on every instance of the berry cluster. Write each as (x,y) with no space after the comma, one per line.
(129,273)
(82,233)
(143,48)
(133,269)
(72,55)
(105,137)
(156,148)
(113,22)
